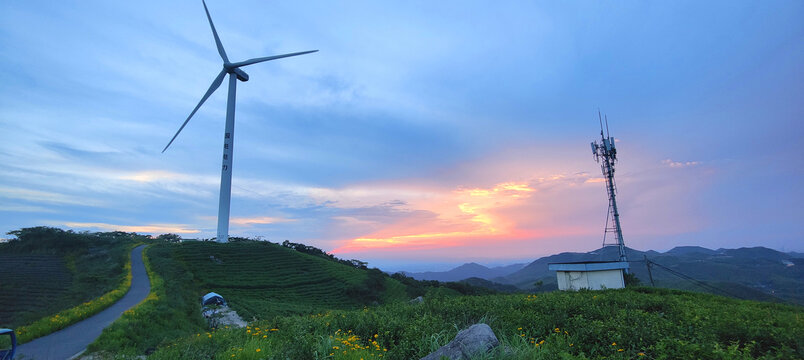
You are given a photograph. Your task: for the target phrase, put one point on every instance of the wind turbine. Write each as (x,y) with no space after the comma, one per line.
(235,73)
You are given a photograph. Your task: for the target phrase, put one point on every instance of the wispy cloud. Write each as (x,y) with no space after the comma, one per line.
(150,176)
(258,220)
(44,197)
(679,164)
(146,229)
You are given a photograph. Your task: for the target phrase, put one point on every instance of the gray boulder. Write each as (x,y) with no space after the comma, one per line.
(417,300)
(474,340)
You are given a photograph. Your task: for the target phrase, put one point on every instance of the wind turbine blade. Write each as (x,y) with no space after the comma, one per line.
(215,33)
(215,84)
(259,60)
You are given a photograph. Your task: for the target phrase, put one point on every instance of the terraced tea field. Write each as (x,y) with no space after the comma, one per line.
(32,286)
(261,280)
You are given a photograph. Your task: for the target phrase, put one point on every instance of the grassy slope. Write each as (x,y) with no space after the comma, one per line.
(49,270)
(259,280)
(170,310)
(659,323)
(33,286)
(617,324)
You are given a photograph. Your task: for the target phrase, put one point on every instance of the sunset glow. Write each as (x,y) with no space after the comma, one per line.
(410,136)
(144,229)
(476,217)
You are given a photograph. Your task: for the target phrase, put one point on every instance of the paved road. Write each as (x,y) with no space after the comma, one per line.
(71,340)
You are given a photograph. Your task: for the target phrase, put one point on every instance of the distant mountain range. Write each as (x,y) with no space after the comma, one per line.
(756,273)
(465,271)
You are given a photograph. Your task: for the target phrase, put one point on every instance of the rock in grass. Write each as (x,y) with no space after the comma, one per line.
(474,340)
(417,300)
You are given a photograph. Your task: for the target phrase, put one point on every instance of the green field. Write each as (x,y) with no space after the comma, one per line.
(47,270)
(32,286)
(307,306)
(616,324)
(304,304)
(262,280)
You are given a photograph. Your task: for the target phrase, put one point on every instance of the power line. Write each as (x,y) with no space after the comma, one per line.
(688,278)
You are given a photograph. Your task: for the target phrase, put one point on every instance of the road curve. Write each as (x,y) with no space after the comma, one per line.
(71,340)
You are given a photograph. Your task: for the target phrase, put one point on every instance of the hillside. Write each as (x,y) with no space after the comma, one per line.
(260,280)
(465,271)
(753,273)
(617,324)
(47,270)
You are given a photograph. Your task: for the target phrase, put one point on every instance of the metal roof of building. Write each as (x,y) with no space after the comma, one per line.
(588,266)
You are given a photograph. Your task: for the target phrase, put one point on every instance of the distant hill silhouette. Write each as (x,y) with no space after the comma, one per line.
(756,273)
(796,254)
(685,250)
(465,271)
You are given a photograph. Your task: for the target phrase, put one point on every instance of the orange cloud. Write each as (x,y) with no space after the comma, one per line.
(462,214)
(148,176)
(595,180)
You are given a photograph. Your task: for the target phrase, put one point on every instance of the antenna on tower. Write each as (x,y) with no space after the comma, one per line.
(600,118)
(606,151)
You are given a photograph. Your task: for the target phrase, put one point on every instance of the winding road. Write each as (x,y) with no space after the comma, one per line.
(72,340)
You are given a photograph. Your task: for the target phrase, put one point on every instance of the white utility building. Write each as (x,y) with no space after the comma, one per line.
(592,275)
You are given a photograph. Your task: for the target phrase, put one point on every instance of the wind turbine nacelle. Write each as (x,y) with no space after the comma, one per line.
(241,75)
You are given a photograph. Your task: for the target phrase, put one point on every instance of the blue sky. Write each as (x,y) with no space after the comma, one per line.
(442,132)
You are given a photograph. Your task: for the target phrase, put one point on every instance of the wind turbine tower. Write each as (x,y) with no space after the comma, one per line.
(606,154)
(235,73)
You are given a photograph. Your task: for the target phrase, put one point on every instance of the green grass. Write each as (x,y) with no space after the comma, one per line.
(32,287)
(74,314)
(259,280)
(615,324)
(309,307)
(53,278)
(170,311)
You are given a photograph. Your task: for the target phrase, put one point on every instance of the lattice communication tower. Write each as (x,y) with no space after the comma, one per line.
(605,153)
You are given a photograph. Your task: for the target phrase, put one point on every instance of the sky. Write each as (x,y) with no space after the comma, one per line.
(422,134)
